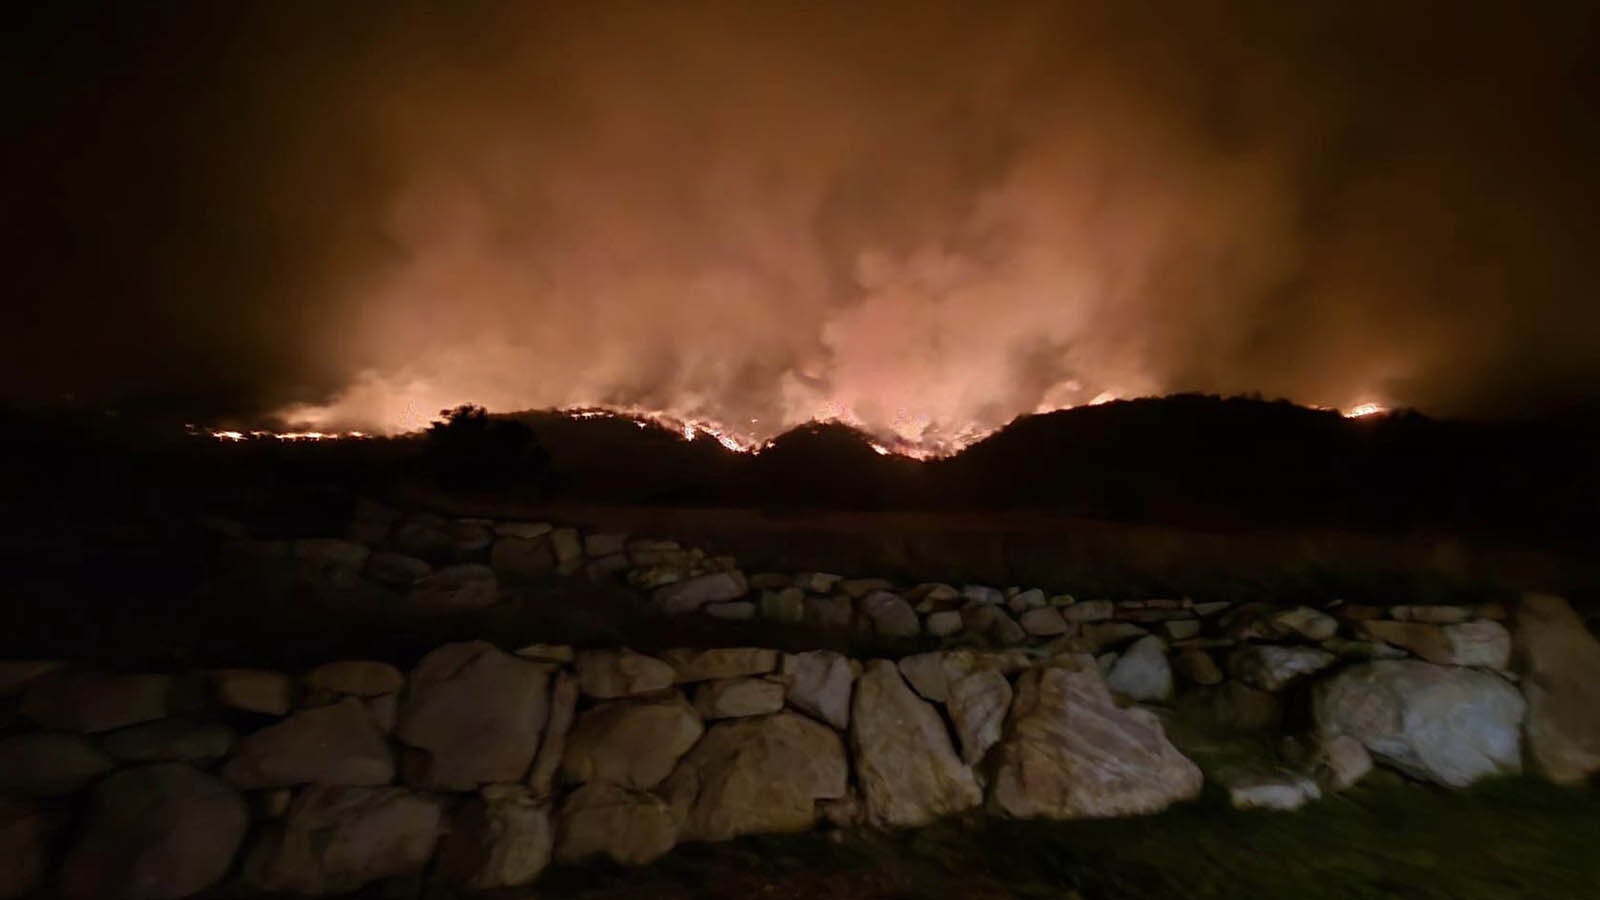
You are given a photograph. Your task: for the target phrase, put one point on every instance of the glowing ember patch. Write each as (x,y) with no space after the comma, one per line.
(1365,409)
(229,435)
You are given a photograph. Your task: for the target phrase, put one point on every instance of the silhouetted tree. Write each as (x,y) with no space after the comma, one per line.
(469,449)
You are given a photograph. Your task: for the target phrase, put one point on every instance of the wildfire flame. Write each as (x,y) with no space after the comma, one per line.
(732,439)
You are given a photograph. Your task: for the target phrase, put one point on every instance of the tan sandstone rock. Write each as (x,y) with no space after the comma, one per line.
(820,683)
(1478,643)
(253,690)
(1561,679)
(732,698)
(336,839)
(907,771)
(1072,753)
(633,743)
(730,662)
(978,702)
(501,838)
(337,744)
(759,775)
(477,713)
(631,827)
(606,674)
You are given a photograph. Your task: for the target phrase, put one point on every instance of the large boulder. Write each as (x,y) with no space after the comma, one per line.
(1142,673)
(634,743)
(475,712)
(1482,642)
(1561,680)
(157,831)
(978,702)
(24,847)
(1444,724)
(1071,752)
(757,776)
(631,827)
(502,838)
(336,744)
(333,840)
(820,682)
(606,674)
(50,764)
(907,771)
(95,701)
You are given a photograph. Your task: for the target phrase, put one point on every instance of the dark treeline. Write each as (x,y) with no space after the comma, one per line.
(1192,461)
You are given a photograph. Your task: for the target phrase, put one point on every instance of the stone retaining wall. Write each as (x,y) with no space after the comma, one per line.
(479,767)
(423,565)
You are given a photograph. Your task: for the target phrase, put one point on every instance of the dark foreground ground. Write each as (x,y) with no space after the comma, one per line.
(1386,838)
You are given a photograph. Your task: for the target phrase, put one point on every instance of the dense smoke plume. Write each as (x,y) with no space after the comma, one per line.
(926,217)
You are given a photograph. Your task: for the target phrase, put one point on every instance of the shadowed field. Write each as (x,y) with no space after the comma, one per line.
(1387,838)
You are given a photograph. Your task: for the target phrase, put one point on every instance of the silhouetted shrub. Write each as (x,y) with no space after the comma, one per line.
(468,448)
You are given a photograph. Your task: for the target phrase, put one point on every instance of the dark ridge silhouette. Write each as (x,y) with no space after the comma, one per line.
(1188,460)
(1191,460)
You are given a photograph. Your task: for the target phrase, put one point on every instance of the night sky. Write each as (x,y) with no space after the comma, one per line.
(924,217)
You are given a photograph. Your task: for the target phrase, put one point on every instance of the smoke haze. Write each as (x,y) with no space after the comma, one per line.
(925,218)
